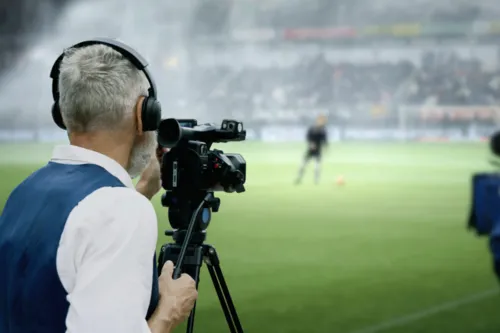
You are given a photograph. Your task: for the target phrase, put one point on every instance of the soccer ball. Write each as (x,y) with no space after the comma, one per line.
(340,180)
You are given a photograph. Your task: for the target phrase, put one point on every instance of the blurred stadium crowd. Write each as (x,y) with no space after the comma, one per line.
(441,80)
(315,83)
(324,13)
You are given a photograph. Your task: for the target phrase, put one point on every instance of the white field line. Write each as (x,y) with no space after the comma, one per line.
(413,317)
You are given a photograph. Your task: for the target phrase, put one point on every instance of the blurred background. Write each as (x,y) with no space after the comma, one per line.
(411,90)
(397,70)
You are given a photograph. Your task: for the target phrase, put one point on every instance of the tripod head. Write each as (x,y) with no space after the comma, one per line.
(189,215)
(182,210)
(183,205)
(179,236)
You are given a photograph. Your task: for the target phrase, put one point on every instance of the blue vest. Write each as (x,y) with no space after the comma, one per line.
(32,298)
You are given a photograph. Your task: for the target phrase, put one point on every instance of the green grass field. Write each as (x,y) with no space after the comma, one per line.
(388,252)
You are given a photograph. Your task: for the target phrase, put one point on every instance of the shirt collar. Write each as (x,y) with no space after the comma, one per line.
(68,154)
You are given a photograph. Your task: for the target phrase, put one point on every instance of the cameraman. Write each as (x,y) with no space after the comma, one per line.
(77,239)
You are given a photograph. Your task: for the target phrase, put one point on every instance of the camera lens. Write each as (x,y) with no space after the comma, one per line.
(169,132)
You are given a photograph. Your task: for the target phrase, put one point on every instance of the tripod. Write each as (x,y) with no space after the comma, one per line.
(188,253)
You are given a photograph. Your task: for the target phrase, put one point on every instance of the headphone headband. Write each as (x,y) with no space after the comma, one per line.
(130,54)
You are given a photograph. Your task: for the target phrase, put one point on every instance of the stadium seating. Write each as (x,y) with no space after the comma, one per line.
(295,88)
(441,80)
(314,13)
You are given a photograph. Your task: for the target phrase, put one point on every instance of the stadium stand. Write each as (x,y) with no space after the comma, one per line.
(285,89)
(441,80)
(321,13)
(20,21)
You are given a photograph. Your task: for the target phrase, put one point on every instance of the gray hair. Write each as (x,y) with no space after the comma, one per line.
(99,88)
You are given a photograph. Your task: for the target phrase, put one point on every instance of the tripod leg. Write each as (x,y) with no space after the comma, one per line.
(222,290)
(195,274)
(192,265)
(222,299)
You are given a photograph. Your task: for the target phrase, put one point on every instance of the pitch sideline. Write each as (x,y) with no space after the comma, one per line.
(416,316)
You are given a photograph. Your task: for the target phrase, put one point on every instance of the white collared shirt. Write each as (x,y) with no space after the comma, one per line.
(105,255)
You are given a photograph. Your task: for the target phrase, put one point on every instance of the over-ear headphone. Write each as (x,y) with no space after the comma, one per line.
(151,107)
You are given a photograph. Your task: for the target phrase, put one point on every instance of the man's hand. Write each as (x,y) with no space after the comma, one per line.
(177,299)
(150,182)
(312,146)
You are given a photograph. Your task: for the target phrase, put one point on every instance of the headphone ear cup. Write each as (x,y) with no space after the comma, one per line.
(151,114)
(57,117)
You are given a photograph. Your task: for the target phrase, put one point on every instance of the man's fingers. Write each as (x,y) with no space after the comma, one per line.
(188,277)
(160,151)
(168,268)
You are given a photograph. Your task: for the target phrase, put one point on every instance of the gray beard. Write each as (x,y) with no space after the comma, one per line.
(141,155)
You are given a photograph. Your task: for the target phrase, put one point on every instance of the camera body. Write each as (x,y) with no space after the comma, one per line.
(190,170)
(190,165)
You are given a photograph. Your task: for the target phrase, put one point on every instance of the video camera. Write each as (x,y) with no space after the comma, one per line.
(191,171)
(190,165)
(484,217)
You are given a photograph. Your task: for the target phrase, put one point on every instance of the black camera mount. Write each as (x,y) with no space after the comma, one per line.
(188,252)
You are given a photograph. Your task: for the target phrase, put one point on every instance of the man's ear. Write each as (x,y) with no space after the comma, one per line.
(138,116)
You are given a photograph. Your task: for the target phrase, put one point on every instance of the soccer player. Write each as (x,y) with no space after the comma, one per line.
(316,141)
